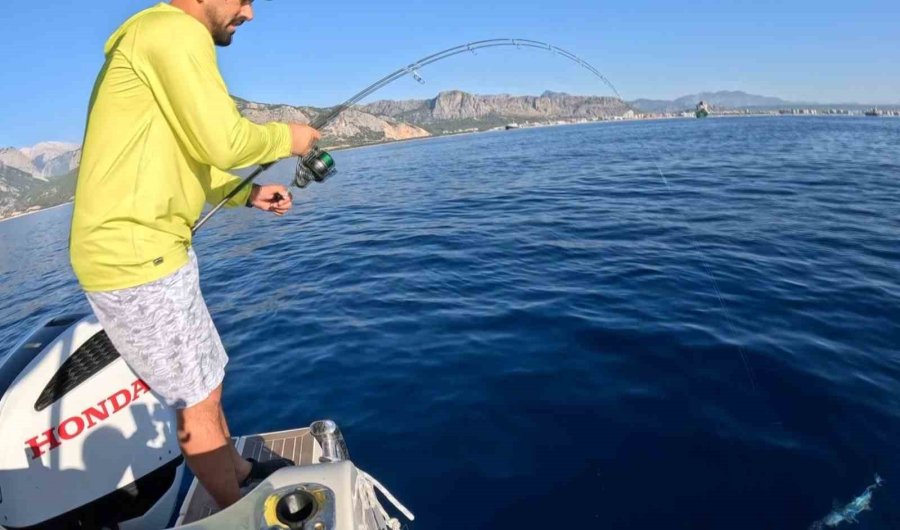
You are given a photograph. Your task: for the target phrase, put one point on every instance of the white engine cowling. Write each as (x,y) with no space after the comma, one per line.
(83,442)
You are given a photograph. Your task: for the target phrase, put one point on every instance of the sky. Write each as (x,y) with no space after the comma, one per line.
(306,53)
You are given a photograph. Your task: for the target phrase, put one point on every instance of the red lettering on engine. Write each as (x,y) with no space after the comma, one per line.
(137,388)
(95,414)
(120,400)
(48,439)
(73,427)
(67,433)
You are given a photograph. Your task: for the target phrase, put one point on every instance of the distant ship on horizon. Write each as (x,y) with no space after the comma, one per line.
(873,112)
(702,110)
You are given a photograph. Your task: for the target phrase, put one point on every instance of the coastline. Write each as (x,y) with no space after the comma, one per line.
(26,214)
(535,126)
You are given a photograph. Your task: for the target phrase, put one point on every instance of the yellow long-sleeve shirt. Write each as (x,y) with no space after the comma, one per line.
(162,132)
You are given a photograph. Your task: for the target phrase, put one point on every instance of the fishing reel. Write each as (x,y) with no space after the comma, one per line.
(317,166)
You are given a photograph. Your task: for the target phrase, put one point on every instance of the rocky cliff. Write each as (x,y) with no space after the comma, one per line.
(14,185)
(351,128)
(38,176)
(454,109)
(11,157)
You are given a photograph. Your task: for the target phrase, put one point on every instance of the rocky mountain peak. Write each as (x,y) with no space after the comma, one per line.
(47,150)
(16,159)
(44,160)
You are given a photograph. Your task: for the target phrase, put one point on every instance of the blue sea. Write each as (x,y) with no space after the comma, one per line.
(685,324)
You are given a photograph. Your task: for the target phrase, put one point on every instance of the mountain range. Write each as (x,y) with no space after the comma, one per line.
(738,100)
(717,100)
(37,177)
(448,112)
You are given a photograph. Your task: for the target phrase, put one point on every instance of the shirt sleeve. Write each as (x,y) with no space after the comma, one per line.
(177,60)
(221,183)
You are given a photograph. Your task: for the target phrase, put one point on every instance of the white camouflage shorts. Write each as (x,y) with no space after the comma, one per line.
(164,332)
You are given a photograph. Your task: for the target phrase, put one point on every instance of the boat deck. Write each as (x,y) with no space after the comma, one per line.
(298,445)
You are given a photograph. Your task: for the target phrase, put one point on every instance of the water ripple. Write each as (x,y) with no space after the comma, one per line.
(497,325)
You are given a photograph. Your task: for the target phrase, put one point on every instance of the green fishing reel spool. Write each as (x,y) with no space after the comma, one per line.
(316,166)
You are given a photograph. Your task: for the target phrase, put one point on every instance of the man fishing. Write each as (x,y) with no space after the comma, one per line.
(162,134)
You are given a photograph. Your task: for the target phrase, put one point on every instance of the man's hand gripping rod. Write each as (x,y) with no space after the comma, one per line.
(316,166)
(256,172)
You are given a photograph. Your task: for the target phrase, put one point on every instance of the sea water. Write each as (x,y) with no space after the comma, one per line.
(529,329)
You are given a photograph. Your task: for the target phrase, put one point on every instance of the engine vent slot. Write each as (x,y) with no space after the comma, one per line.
(94,355)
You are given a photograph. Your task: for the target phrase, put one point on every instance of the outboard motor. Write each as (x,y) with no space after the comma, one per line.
(84,443)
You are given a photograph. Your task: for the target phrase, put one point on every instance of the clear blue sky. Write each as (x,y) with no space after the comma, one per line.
(302,52)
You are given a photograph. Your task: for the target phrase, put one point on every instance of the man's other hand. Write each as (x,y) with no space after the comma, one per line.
(304,138)
(271,198)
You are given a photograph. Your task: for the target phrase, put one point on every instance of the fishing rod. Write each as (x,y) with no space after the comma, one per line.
(318,164)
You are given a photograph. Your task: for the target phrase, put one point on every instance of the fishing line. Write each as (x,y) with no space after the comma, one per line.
(718,291)
(318,165)
(706,269)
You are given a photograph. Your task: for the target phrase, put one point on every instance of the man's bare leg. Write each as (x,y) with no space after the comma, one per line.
(208,450)
(241,465)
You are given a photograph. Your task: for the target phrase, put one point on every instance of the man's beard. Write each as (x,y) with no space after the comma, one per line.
(220,33)
(222,37)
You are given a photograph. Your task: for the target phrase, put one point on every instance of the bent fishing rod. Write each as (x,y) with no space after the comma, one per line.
(318,165)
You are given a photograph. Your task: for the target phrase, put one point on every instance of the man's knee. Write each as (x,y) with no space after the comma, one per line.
(201,420)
